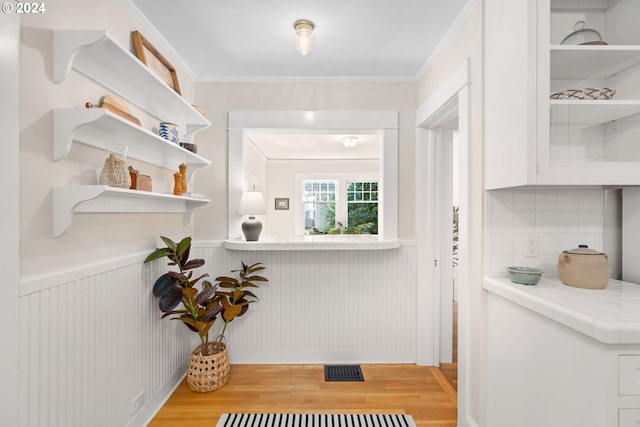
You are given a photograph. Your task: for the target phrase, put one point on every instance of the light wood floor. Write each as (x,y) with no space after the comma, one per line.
(427,394)
(422,392)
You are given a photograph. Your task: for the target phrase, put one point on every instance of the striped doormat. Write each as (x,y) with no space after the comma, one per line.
(315,420)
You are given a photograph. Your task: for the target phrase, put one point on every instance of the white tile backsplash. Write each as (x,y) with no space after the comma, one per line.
(560,219)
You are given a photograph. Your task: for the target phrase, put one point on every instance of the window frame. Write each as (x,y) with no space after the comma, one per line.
(384,122)
(341,194)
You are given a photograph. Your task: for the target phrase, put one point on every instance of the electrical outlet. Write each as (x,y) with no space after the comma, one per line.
(532,247)
(137,402)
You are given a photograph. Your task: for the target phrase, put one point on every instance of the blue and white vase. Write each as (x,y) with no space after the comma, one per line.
(169,131)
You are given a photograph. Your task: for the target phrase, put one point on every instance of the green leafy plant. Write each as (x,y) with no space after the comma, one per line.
(200,308)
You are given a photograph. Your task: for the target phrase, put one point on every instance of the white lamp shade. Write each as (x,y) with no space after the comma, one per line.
(252,203)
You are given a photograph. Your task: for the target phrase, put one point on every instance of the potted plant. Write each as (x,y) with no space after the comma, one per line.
(228,299)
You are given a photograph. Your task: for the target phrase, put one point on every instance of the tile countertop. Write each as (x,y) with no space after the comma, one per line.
(610,315)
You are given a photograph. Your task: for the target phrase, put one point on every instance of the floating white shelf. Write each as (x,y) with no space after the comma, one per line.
(68,200)
(98,56)
(591,112)
(591,61)
(97,127)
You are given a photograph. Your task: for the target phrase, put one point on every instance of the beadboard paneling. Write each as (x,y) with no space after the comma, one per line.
(91,344)
(324,306)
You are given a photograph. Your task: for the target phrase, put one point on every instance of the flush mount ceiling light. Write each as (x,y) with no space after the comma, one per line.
(303,36)
(350,141)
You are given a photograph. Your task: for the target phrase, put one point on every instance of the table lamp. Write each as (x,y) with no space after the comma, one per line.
(252,203)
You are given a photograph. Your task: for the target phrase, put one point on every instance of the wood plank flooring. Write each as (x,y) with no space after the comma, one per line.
(422,392)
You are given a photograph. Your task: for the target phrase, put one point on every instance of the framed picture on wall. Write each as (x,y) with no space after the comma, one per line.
(282,204)
(153,59)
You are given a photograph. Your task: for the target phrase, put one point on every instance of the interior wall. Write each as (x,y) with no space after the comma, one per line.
(282,183)
(560,219)
(467,42)
(220,98)
(86,372)
(95,237)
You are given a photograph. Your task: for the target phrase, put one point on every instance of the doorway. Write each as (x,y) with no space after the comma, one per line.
(444,114)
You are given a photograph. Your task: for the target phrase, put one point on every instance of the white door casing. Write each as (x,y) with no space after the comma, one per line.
(449,100)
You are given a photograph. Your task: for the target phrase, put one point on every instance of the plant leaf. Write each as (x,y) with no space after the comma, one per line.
(256,279)
(226,279)
(205,295)
(170,300)
(250,294)
(164,284)
(194,263)
(183,247)
(158,253)
(212,313)
(231,312)
(171,245)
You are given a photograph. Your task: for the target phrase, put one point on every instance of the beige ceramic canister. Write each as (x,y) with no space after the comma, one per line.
(584,268)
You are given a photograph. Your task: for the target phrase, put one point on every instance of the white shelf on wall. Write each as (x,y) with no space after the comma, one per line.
(98,56)
(579,112)
(68,200)
(98,127)
(570,62)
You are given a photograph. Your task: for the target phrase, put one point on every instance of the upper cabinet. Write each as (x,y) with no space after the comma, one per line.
(562,93)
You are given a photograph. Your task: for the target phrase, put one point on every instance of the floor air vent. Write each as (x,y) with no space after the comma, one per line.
(343,373)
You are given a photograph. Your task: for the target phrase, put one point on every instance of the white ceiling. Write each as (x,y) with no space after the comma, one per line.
(252,40)
(315,146)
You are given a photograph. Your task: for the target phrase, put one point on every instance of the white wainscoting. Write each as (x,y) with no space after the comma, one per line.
(92,339)
(90,345)
(324,306)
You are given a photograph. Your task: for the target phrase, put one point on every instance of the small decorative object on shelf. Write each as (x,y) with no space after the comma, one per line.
(177,184)
(153,59)
(588,93)
(139,181)
(583,36)
(114,172)
(117,107)
(169,131)
(183,173)
(190,147)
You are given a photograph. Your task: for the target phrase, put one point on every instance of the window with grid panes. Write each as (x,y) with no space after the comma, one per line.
(319,198)
(362,207)
(340,206)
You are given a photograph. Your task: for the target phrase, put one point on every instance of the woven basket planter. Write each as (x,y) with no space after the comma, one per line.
(208,373)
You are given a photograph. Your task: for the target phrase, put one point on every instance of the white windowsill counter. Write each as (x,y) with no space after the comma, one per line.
(315,242)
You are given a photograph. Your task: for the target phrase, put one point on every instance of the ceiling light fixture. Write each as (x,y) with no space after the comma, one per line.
(303,36)
(350,141)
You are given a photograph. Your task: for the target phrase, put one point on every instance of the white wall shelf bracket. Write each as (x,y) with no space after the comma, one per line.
(68,200)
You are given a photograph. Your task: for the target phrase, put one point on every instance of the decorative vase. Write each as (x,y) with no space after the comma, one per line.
(169,131)
(210,372)
(115,172)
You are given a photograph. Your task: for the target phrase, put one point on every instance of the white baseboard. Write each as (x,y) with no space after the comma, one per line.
(149,410)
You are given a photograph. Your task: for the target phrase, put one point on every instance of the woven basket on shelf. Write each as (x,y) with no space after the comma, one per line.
(208,373)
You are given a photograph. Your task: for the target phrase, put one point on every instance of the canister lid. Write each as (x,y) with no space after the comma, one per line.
(583,250)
